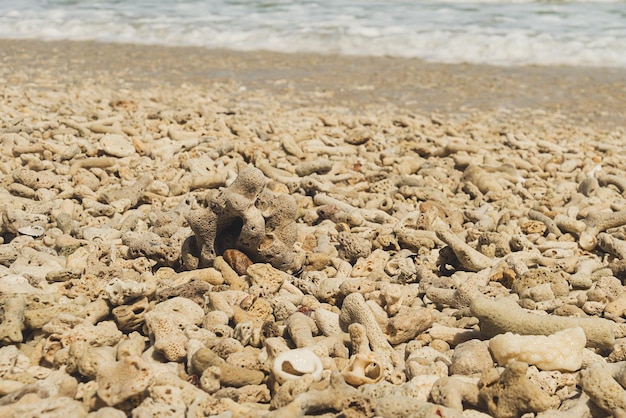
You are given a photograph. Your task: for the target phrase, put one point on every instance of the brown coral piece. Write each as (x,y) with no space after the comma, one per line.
(237,260)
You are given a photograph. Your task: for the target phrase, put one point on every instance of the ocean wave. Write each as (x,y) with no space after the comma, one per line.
(498,32)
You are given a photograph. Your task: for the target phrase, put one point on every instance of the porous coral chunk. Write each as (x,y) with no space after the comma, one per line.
(511,394)
(123,379)
(230,375)
(562,350)
(505,315)
(604,390)
(246,216)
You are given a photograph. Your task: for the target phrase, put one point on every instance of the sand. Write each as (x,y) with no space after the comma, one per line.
(582,96)
(406,197)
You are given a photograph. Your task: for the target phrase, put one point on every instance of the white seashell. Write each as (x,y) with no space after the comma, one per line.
(587,241)
(93,233)
(32,230)
(292,364)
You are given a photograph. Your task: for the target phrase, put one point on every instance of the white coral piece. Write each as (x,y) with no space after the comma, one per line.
(562,350)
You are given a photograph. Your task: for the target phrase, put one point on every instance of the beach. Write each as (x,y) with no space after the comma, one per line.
(404,206)
(583,96)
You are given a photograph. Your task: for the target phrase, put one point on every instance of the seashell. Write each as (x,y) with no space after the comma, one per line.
(587,241)
(364,368)
(93,233)
(32,230)
(292,364)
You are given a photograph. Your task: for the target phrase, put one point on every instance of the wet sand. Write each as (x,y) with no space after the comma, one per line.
(583,96)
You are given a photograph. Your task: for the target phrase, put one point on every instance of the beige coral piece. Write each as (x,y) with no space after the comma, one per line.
(512,394)
(505,315)
(169,339)
(599,383)
(247,216)
(123,379)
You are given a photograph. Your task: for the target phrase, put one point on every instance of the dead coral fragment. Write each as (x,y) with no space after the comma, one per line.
(452,392)
(469,258)
(337,396)
(512,394)
(246,216)
(123,379)
(598,222)
(230,375)
(605,391)
(152,246)
(505,315)
(562,350)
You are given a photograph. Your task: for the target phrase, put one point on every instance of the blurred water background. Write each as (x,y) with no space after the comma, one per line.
(517,32)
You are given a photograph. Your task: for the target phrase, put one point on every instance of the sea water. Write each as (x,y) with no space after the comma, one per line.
(514,32)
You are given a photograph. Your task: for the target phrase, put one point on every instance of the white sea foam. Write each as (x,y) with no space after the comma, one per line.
(484,31)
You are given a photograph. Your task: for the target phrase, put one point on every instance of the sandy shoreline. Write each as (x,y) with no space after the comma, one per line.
(584,96)
(209,233)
